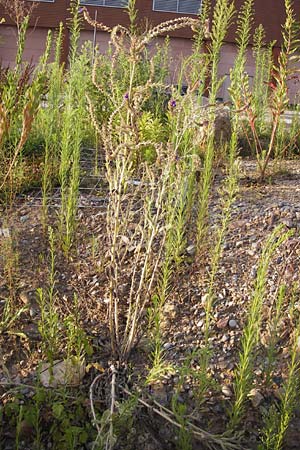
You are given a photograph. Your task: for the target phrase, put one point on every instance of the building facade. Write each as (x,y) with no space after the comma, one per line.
(49,13)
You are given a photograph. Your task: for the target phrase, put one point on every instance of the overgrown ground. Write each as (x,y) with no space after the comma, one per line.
(149,271)
(257,210)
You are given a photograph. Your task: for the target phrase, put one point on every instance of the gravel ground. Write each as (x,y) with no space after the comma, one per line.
(257,210)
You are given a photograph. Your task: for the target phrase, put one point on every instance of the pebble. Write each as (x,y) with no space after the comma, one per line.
(226,391)
(24,296)
(232,323)
(168,345)
(5,232)
(190,393)
(222,365)
(256,397)
(33,311)
(222,323)
(191,250)
(204,299)
(288,223)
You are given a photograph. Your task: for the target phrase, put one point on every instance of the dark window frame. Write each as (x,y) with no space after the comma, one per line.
(177,9)
(89,3)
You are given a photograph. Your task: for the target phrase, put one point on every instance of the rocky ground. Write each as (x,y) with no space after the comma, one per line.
(256,212)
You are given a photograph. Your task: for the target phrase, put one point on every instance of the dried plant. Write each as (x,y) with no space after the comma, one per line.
(18,10)
(136,217)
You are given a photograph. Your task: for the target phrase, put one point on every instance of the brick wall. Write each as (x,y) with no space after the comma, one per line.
(48,15)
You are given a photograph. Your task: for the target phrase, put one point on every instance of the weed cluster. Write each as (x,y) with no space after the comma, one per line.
(161,152)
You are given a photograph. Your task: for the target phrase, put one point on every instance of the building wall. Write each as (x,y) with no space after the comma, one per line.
(294,85)
(269,12)
(48,15)
(102,39)
(34,45)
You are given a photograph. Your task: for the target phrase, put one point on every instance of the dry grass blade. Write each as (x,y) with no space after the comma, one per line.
(211,441)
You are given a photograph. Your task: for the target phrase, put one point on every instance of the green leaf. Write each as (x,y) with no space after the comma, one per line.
(57,410)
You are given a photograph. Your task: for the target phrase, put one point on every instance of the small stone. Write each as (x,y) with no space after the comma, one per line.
(232,323)
(25,391)
(217,408)
(190,393)
(24,296)
(288,223)
(226,391)
(222,364)
(168,345)
(69,372)
(24,218)
(5,232)
(191,250)
(33,311)
(277,379)
(32,332)
(170,309)
(256,397)
(222,323)
(204,299)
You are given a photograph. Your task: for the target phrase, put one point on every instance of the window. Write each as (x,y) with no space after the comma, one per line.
(112,3)
(177,6)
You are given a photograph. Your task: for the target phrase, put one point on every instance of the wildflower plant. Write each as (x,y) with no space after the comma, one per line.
(49,120)
(20,102)
(72,133)
(278,417)
(278,97)
(244,370)
(263,56)
(222,18)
